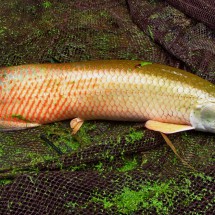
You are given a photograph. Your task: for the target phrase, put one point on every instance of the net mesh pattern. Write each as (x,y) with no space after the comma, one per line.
(108,167)
(203,11)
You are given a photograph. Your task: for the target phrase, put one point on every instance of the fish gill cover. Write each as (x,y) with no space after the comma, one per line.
(108,167)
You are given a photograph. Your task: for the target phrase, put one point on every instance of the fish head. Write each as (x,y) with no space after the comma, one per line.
(203,117)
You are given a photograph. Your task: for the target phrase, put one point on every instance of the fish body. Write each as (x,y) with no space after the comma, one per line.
(31,95)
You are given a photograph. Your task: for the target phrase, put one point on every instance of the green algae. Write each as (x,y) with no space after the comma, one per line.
(134,135)
(2,31)
(147,196)
(4,182)
(129,164)
(99,167)
(34,158)
(157,196)
(150,32)
(71,205)
(1,150)
(186,190)
(46,4)
(130,200)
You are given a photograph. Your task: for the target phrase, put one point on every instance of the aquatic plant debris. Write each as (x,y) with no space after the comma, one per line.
(20,117)
(145,63)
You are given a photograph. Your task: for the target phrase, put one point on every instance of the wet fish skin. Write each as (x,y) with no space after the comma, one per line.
(123,90)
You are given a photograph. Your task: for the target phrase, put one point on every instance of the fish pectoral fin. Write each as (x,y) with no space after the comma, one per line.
(76,124)
(166,128)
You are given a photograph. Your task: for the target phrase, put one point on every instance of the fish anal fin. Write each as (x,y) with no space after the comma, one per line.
(6,125)
(166,128)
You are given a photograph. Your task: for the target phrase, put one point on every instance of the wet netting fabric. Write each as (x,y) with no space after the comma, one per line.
(107,167)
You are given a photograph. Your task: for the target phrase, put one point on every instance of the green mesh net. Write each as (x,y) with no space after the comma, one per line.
(108,167)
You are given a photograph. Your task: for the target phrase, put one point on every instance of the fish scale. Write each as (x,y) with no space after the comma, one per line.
(113,90)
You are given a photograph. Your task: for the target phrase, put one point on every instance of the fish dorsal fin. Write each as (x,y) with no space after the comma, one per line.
(166,128)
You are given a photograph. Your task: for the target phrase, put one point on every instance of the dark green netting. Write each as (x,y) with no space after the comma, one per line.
(108,167)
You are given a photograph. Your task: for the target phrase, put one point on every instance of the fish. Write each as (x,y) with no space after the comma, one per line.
(164,98)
